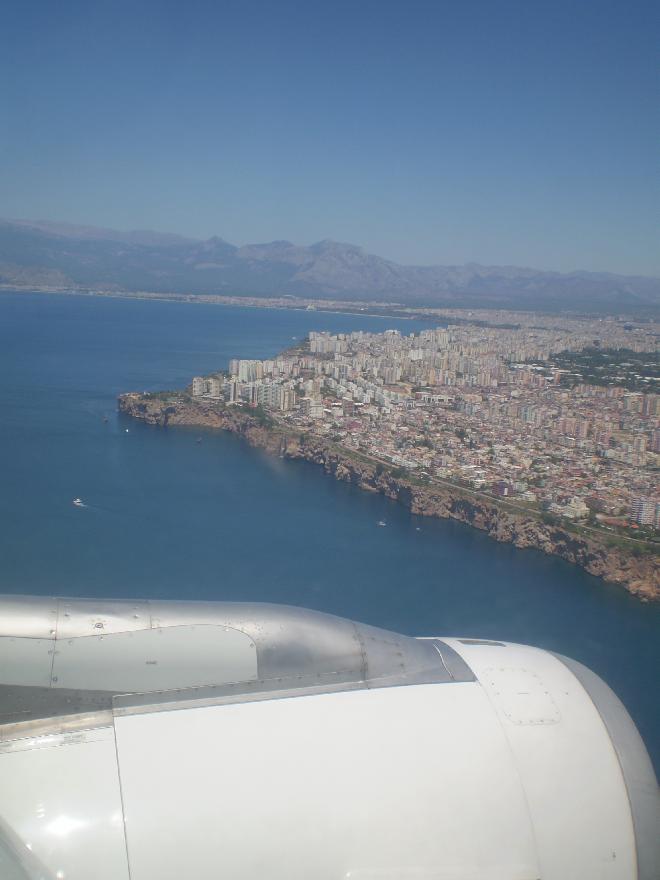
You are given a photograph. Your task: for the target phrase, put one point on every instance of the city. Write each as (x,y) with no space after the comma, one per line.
(477,406)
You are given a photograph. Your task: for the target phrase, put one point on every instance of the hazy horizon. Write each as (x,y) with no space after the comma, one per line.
(100,227)
(433,133)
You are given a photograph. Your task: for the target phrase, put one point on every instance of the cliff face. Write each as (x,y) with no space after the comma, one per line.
(637,574)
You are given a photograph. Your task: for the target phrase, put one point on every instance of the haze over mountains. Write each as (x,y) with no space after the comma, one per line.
(52,255)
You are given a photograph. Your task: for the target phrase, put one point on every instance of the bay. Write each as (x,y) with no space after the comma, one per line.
(173,518)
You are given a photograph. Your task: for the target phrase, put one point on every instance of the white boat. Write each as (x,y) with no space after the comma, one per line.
(381,522)
(78,502)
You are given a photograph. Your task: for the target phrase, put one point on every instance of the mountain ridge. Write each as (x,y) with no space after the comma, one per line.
(31,252)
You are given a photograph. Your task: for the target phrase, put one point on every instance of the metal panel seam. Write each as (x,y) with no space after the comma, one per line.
(363,653)
(54,648)
(514,764)
(121,800)
(615,751)
(448,671)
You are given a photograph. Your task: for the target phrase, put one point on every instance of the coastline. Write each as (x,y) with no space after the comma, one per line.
(493,315)
(617,564)
(360,308)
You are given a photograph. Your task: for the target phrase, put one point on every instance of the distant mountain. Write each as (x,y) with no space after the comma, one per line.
(59,255)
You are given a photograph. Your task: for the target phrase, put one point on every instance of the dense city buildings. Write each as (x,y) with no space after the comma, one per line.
(481,406)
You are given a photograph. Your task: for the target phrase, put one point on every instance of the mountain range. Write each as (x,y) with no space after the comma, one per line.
(55,255)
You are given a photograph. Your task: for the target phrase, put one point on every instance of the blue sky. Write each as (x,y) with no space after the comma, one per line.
(427,132)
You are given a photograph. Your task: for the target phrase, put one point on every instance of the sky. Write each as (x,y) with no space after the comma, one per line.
(498,132)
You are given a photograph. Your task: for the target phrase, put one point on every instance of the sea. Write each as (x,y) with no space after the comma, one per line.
(167,516)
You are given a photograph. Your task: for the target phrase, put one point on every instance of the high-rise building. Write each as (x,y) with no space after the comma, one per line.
(269,395)
(651,405)
(655,440)
(643,511)
(232,389)
(249,371)
(214,387)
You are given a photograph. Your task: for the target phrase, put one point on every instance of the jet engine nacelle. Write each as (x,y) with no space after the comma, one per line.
(155,739)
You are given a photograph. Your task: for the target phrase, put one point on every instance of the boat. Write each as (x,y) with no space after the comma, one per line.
(381,522)
(78,502)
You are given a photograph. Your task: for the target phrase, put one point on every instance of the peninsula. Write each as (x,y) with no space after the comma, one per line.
(544,434)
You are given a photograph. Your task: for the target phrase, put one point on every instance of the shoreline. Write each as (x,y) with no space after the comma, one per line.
(493,315)
(390,310)
(635,572)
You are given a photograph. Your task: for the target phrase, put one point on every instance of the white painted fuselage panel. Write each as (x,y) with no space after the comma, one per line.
(414,779)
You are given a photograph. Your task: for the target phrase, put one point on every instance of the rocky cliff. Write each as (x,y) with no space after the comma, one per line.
(639,574)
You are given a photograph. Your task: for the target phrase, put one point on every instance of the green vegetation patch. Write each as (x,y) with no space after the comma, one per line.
(634,370)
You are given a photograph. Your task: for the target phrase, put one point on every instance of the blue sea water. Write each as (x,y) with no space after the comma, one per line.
(169,517)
